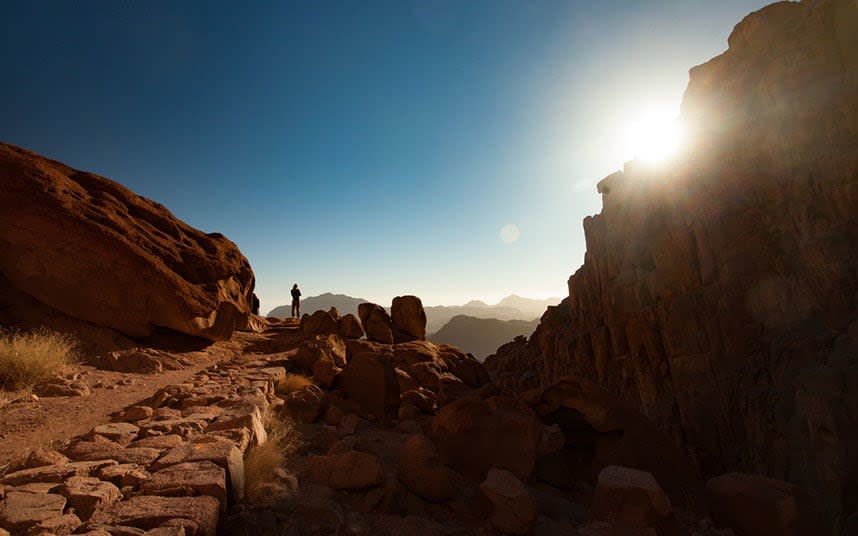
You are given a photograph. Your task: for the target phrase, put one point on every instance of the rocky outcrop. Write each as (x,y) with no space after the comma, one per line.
(91,250)
(718,293)
(407,321)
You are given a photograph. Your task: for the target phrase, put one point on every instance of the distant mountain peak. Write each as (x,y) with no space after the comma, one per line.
(476,303)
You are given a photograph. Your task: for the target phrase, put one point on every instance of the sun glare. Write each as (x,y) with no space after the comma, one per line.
(654,137)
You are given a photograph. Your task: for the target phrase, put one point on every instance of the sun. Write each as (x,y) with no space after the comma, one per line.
(653,137)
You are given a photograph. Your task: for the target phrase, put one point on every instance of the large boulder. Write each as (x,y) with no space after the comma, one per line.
(409,317)
(473,435)
(422,472)
(371,380)
(633,499)
(349,327)
(376,323)
(513,510)
(754,504)
(94,251)
(320,323)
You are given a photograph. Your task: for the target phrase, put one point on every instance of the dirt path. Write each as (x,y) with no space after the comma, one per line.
(52,421)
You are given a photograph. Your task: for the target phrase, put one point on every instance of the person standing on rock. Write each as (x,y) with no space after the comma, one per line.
(296,301)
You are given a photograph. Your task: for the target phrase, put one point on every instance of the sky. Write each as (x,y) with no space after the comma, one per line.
(446,149)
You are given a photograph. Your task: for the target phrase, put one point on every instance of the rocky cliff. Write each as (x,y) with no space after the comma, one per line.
(719,294)
(86,253)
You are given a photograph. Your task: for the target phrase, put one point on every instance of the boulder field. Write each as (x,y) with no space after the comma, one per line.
(719,293)
(85,253)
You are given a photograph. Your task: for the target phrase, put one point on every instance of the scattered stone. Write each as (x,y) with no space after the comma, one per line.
(513,509)
(371,380)
(218,451)
(20,510)
(632,498)
(189,479)
(249,418)
(39,457)
(306,404)
(349,327)
(120,432)
(135,413)
(346,470)
(409,317)
(124,474)
(88,495)
(57,526)
(754,504)
(319,323)
(54,473)
(422,472)
(157,442)
(472,435)
(150,512)
(376,323)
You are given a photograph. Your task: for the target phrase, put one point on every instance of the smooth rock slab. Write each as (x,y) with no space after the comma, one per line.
(57,526)
(189,479)
(513,509)
(149,512)
(218,451)
(54,473)
(20,510)
(121,432)
(88,495)
(632,498)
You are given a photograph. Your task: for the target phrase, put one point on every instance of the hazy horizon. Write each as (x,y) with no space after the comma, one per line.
(443,149)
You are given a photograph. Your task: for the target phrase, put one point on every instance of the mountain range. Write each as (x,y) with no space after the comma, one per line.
(482,336)
(510,308)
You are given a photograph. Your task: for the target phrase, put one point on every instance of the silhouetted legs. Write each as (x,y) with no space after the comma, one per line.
(296,308)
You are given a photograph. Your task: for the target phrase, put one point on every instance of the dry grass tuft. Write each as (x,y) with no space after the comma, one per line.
(29,357)
(261,461)
(291,383)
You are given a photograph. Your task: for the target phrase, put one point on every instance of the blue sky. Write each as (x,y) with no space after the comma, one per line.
(372,149)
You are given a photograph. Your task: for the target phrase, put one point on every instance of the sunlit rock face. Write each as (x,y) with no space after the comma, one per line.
(719,294)
(92,251)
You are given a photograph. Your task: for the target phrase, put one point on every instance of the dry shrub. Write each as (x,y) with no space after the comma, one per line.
(29,357)
(261,460)
(291,383)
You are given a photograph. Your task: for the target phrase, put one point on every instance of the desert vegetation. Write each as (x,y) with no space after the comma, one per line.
(262,461)
(28,357)
(291,383)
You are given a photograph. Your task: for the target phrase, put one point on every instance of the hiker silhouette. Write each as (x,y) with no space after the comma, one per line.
(296,301)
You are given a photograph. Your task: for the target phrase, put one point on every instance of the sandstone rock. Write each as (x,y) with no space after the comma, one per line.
(20,511)
(473,435)
(218,451)
(376,323)
(421,471)
(88,495)
(54,473)
(371,381)
(135,413)
(56,526)
(138,360)
(62,388)
(121,432)
(412,525)
(118,244)
(39,457)
(248,417)
(149,512)
(349,327)
(513,509)
(157,442)
(325,372)
(347,470)
(306,404)
(319,323)
(124,474)
(409,317)
(634,499)
(422,399)
(329,347)
(189,479)
(754,504)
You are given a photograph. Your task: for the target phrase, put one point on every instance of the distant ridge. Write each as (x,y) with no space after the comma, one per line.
(482,336)
(512,307)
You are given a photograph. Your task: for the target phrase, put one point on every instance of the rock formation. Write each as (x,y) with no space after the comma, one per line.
(718,294)
(91,250)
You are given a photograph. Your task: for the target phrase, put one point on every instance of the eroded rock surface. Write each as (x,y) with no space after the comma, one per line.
(717,296)
(94,251)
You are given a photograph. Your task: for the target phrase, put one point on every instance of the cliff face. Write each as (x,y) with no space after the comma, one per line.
(719,296)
